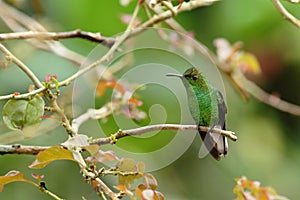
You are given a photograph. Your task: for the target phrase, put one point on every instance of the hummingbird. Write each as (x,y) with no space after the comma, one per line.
(207,107)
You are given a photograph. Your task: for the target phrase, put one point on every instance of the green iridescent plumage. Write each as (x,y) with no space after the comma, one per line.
(207,108)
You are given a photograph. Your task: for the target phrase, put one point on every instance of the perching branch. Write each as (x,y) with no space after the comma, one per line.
(139,131)
(33,150)
(286,13)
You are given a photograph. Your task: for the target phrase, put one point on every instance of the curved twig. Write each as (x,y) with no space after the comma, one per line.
(10,57)
(286,13)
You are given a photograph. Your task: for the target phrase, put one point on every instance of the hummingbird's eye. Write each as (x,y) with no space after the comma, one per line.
(195,77)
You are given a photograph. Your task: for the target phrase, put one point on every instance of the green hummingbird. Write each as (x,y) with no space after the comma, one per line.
(207,108)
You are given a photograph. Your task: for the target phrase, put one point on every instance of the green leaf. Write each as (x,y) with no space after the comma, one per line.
(52,154)
(128,165)
(18,114)
(13,176)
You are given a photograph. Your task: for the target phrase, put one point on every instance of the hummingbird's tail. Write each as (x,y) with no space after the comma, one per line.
(215,143)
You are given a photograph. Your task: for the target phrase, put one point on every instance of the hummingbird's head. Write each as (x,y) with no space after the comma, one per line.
(190,76)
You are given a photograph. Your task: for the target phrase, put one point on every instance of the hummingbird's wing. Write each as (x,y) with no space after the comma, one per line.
(222,110)
(214,143)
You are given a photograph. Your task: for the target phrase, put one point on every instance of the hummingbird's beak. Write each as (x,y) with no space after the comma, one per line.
(177,75)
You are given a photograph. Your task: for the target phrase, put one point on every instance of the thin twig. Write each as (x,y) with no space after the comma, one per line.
(265,97)
(65,121)
(110,52)
(10,57)
(100,113)
(20,22)
(22,96)
(185,6)
(286,13)
(51,194)
(243,85)
(94,37)
(102,185)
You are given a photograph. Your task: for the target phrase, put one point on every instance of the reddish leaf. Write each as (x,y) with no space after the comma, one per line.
(37,177)
(249,189)
(48,117)
(124,189)
(11,177)
(135,102)
(102,156)
(159,195)
(95,184)
(16,94)
(103,85)
(52,154)
(139,190)
(150,181)
(127,18)
(48,78)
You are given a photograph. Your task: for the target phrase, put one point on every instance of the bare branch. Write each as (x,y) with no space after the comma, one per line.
(22,96)
(109,53)
(10,57)
(21,149)
(286,13)
(185,6)
(265,97)
(20,22)
(100,113)
(94,37)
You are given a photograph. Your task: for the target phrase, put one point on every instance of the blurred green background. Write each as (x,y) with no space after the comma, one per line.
(268,145)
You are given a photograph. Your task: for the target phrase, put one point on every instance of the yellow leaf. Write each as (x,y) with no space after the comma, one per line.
(11,177)
(52,154)
(248,62)
(92,149)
